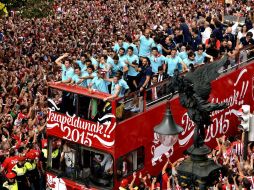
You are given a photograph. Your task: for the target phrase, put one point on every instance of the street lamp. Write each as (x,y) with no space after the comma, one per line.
(168,125)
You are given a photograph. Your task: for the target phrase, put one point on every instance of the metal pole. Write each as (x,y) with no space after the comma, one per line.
(245,145)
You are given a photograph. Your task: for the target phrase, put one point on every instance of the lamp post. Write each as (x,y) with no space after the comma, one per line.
(168,125)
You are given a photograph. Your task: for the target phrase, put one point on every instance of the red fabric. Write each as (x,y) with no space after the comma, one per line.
(9,163)
(36,152)
(164,181)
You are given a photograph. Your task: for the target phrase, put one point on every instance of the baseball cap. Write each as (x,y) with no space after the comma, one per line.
(10,175)
(124,183)
(31,155)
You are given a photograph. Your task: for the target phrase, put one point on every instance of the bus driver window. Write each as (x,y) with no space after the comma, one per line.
(130,162)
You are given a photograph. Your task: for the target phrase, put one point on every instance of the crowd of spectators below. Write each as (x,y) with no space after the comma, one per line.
(130,44)
(236,173)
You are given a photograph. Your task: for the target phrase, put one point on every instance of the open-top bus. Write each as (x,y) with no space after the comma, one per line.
(102,144)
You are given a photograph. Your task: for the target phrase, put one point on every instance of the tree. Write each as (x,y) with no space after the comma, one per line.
(31,8)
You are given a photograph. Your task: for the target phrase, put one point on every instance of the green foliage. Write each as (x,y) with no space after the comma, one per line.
(31,8)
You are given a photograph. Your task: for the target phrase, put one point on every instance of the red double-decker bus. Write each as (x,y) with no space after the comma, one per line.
(93,144)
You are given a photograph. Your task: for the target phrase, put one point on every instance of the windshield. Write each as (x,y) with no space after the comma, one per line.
(72,161)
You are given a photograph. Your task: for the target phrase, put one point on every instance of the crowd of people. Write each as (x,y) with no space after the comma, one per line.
(235,174)
(110,46)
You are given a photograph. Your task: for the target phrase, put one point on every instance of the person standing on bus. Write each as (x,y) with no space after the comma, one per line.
(145,74)
(132,61)
(67,70)
(88,75)
(156,59)
(115,88)
(11,183)
(77,77)
(146,44)
(98,83)
(68,156)
(32,171)
(21,173)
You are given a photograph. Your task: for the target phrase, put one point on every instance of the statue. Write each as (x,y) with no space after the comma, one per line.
(194,89)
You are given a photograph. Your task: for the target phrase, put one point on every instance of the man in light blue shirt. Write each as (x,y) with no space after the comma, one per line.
(88,75)
(79,77)
(121,55)
(146,44)
(124,86)
(93,60)
(200,56)
(81,63)
(98,83)
(120,44)
(129,41)
(67,70)
(132,62)
(172,63)
(190,59)
(156,60)
(118,66)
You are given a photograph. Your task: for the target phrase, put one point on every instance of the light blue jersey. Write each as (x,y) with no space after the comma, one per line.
(145,46)
(131,59)
(124,86)
(122,58)
(156,62)
(100,84)
(109,60)
(187,61)
(172,64)
(82,66)
(183,55)
(67,73)
(199,59)
(135,49)
(86,74)
(117,67)
(116,47)
(94,62)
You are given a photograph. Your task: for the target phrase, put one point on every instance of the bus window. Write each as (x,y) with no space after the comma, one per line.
(63,157)
(97,167)
(62,101)
(130,162)
(72,161)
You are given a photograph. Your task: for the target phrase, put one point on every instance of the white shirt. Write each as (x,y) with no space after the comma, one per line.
(69,158)
(206,34)
(234,28)
(107,162)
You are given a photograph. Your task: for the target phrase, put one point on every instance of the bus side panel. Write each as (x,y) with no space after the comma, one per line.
(236,88)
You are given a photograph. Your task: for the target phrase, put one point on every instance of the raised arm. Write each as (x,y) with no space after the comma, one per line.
(59,59)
